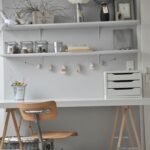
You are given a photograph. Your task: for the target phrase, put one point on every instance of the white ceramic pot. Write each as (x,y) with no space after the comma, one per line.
(19,92)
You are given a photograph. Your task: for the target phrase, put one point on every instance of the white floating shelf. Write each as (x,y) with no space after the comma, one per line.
(72,25)
(104,52)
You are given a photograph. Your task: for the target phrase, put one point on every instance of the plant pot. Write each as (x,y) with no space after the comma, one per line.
(42,17)
(19,92)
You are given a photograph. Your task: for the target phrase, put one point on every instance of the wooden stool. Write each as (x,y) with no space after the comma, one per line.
(124,124)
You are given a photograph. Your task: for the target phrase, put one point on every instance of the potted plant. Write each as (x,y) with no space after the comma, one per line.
(40,12)
(19,90)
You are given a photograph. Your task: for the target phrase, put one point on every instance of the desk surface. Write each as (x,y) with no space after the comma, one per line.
(82,102)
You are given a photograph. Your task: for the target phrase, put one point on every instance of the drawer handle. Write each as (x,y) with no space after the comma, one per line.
(124,81)
(121,73)
(123,88)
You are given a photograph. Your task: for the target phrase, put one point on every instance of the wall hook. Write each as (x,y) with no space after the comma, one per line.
(50,67)
(78,68)
(38,66)
(63,69)
(92,66)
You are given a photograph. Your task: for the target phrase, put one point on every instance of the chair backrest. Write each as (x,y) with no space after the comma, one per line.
(46,110)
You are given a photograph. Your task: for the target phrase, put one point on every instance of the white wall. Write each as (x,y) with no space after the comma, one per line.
(145,4)
(93,124)
(1,75)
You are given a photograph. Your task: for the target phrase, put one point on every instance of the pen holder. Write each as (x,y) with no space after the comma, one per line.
(19,92)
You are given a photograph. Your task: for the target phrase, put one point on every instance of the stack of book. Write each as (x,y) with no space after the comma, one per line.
(78,49)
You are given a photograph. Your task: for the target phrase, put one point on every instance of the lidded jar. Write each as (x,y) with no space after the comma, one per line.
(26,46)
(12,48)
(41,46)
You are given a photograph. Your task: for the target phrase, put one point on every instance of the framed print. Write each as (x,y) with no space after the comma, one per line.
(124,9)
(123,39)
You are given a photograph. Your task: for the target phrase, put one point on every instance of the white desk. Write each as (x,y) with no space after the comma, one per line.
(82,102)
(11,106)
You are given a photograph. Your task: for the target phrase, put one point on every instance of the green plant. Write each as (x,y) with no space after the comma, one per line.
(18,83)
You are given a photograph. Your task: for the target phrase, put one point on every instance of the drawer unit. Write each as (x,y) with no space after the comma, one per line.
(124,92)
(124,76)
(122,85)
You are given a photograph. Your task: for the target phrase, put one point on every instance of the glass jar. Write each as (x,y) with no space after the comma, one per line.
(12,48)
(41,46)
(26,47)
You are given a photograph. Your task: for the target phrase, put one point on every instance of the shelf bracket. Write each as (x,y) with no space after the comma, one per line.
(41,34)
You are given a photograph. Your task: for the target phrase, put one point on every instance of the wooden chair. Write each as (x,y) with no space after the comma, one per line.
(37,112)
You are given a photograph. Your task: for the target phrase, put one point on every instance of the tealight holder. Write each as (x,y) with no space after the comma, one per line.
(12,48)
(26,47)
(41,46)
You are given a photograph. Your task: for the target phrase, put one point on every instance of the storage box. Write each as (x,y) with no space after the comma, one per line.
(122,84)
(42,17)
(28,143)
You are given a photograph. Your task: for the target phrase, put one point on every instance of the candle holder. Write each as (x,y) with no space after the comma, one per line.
(79,11)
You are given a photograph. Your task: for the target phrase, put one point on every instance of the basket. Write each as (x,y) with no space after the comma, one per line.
(42,17)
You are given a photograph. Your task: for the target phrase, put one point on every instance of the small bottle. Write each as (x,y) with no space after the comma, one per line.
(104,14)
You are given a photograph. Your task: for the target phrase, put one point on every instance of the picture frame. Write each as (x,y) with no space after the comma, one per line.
(124,10)
(123,39)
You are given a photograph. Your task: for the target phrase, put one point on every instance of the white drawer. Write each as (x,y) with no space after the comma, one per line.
(124,92)
(116,84)
(123,76)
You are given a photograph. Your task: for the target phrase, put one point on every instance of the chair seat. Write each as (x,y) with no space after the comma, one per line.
(55,135)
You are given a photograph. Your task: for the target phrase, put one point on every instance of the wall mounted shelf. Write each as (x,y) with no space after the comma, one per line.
(124,23)
(104,52)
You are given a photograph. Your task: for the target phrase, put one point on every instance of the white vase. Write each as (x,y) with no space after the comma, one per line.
(19,92)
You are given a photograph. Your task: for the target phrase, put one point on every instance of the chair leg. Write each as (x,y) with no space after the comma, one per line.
(52,145)
(39,132)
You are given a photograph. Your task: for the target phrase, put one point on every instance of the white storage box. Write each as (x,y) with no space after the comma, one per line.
(122,84)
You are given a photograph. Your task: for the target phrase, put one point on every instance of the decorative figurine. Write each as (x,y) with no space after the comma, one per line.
(104,9)
(104,15)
